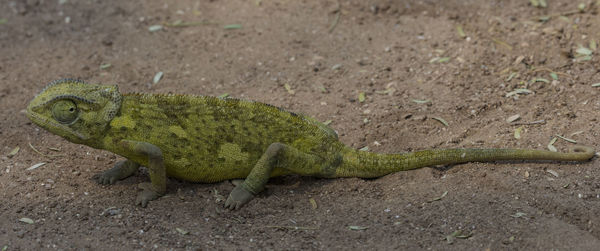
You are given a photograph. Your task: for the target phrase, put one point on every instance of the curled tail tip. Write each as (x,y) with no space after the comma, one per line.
(585,151)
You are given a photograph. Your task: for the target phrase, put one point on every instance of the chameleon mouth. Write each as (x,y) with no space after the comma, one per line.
(51,125)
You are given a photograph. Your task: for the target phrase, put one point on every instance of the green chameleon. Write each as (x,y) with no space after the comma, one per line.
(209,139)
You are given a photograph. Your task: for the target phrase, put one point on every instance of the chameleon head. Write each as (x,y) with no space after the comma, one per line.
(75,110)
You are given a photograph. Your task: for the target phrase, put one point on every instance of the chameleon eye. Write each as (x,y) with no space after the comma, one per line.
(65,111)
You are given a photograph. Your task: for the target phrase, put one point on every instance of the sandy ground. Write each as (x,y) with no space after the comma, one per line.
(315,58)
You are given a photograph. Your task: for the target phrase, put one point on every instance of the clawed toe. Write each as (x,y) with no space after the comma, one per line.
(237,198)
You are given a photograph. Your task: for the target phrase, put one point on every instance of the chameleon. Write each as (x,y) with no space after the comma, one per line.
(211,139)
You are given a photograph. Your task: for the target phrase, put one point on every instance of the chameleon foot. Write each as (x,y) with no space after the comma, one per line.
(146,195)
(238,197)
(109,176)
(121,170)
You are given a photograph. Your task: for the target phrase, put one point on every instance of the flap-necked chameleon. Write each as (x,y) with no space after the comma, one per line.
(210,139)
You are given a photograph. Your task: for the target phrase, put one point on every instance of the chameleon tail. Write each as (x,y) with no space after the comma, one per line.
(369,165)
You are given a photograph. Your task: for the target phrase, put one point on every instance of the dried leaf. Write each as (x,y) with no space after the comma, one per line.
(421,101)
(357,228)
(157,77)
(441,120)
(313,203)
(518,215)
(511,76)
(518,91)
(182,231)
(35,166)
(583,51)
(540,80)
(14,152)
(105,66)
(518,132)
(457,235)
(232,26)
(550,145)
(567,139)
(444,60)
(513,118)
(288,88)
(460,31)
(361,97)
(155,28)
(534,3)
(26,220)
(439,198)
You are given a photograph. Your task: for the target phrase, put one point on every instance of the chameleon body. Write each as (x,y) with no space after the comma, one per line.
(209,139)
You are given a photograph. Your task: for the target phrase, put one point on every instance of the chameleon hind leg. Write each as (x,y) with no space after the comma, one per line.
(121,170)
(156,169)
(277,155)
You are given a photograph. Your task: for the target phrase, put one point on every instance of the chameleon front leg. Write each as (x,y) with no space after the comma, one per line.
(277,155)
(156,168)
(121,170)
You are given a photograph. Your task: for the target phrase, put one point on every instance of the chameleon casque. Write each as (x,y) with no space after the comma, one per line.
(209,139)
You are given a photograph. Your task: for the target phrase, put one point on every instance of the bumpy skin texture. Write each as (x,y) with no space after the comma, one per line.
(208,139)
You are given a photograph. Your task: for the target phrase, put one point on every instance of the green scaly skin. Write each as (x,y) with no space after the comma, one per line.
(208,139)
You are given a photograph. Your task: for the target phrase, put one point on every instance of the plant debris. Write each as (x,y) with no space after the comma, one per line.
(457,235)
(105,66)
(551,145)
(357,228)
(155,28)
(157,77)
(35,166)
(294,227)
(361,97)
(518,132)
(232,26)
(14,152)
(439,198)
(441,120)
(518,91)
(513,118)
(554,173)
(460,31)
(182,231)
(26,220)
(313,203)
(421,101)
(518,215)
(288,88)
(567,139)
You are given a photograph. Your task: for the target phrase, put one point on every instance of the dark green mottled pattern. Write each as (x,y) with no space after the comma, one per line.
(211,139)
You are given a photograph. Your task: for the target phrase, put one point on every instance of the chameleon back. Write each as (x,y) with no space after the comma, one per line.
(210,139)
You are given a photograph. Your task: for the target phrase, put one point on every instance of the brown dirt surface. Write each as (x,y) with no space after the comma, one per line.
(315,57)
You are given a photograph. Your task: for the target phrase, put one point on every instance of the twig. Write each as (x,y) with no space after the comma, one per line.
(47,156)
(529,123)
(294,227)
(549,70)
(337,17)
